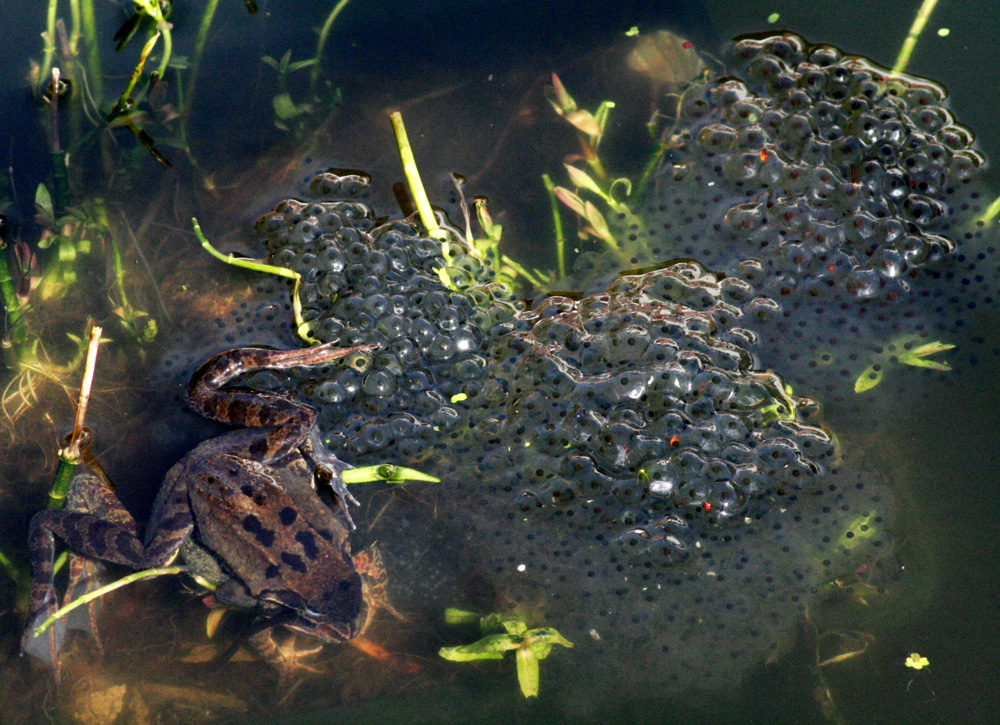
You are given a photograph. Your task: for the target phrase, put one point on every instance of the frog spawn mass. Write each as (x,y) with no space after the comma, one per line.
(638,414)
(810,172)
(667,503)
(380,283)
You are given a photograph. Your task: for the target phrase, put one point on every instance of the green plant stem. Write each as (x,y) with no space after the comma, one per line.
(413,178)
(95,79)
(60,484)
(301,326)
(168,46)
(91,596)
(50,43)
(923,15)
(324,33)
(991,212)
(125,101)
(77,29)
(532,280)
(557,224)
(199,51)
(11,304)
(651,166)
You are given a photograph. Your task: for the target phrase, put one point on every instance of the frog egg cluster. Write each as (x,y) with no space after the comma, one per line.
(674,504)
(638,412)
(809,170)
(370,282)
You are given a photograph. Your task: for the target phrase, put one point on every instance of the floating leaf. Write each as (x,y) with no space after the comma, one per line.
(916,356)
(868,379)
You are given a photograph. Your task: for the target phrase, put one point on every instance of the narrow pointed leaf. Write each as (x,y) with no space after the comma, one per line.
(562,100)
(459,654)
(919,362)
(599,224)
(570,199)
(601,117)
(490,647)
(583,180)
(583,121)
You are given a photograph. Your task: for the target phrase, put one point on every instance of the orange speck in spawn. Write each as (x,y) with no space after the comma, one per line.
(687,45)
(763,154)
(674,441)
(708,506)
(830,268)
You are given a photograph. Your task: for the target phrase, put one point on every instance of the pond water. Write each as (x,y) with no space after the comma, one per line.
(779,620)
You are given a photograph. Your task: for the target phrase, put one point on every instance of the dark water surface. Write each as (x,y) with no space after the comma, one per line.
(469,80)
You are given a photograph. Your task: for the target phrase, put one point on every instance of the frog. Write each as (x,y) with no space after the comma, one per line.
(243,510)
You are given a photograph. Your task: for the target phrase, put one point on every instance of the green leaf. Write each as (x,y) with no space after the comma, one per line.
(299,64)
(547,636)
(921,363)
(570,199)
(601,117)
(459,616)
(493,231)
(583,180)
(490,647)
(527,672)
(285,108)
(916,356)
(458,654)
(385,472)
(43,201)
(514,625)
(270,61)
(599,225)
(583,121)
(868,379)
(559,97)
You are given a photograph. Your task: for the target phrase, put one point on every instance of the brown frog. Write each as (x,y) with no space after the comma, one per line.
(242,510)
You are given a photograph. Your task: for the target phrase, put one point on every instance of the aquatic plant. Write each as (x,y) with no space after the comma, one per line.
(505,633)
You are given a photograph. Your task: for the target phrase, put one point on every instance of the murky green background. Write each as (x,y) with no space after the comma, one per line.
(468,77)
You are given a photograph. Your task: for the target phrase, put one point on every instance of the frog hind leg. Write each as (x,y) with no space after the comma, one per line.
(87,575)
(288,421)
(96,537)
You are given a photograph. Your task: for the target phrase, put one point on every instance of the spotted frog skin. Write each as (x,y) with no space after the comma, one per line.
(242,510)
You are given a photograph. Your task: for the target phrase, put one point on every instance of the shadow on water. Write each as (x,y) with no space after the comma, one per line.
(469,81)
